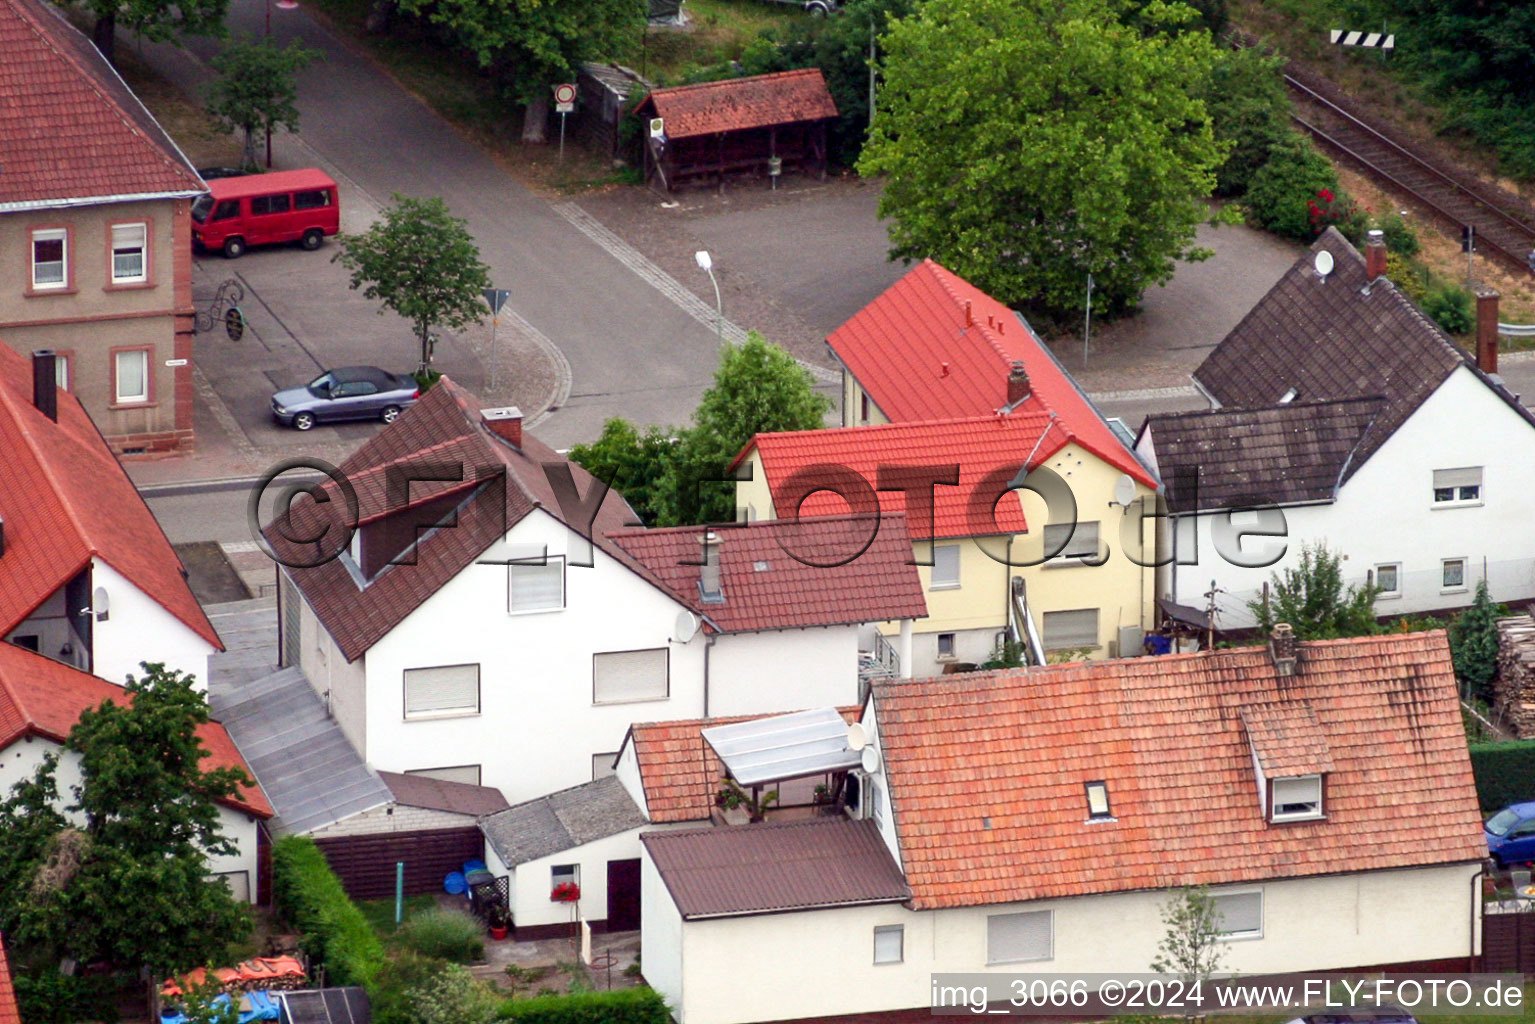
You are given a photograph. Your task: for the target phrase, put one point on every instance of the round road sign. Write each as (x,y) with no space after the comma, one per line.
(565,93)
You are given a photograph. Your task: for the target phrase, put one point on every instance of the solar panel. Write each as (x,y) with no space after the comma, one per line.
(326,1006)
(784,746)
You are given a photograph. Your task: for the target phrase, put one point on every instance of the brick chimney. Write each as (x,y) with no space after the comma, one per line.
(45,387)
(1017,383)
(505,423)
(1375,254)
(1284,649)
(1487,329)
(710,589)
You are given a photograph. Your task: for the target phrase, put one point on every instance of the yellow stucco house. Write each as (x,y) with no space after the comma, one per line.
(947,396)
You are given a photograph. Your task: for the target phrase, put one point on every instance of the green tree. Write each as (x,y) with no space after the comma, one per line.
(159,21)
(255,90)
(630,461)
(1474,643)
(1250,113)
(1280,192)
(1191,947)
(758,388)
(421,262)
(1311,597)
(129,884)
(1029,143)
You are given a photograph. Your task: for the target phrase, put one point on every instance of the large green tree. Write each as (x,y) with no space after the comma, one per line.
(156,20)
(630,461)
(421,262)
(1029,143)
(1312,598)
(255,91)
(1474,643)
(123,875)
(1250,113)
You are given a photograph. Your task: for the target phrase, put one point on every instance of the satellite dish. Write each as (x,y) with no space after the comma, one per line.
(687,626)
(857,737)
(1323,264)
(870,760)
(1124,490)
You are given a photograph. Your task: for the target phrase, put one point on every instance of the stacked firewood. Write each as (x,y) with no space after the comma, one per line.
(1514,686)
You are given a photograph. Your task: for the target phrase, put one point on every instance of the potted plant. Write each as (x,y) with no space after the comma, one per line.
(499,920)
(565,892)
(822,794)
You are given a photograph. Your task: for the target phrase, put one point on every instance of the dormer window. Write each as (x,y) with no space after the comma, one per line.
(1098,802)
(1296,799)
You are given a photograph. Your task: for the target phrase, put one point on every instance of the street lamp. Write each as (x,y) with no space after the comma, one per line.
(707,266)
(282,5)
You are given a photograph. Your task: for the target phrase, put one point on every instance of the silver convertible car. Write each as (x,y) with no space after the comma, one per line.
(346,393)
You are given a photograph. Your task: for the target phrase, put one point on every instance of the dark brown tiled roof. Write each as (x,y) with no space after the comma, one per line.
(69,127)
(785,97)
(441,795)
(1240,457)
(781,574)
(758,869)
(986,771)
(443,428)
(1329,340)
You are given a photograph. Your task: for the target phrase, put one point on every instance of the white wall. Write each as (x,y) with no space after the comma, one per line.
(340,685)
(1385,514)
(534,907)
(627,769)
(138,628)
(1308,924)
(661,941)
(783,670)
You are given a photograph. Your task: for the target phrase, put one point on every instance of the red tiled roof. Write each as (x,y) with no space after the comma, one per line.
(9,1012)
(65,498)
(679,772)
(733,104)
(45,698)
(979,446)
(760,869)
(1288,739)
(783,574)
(69,127)
(442,429)
(912,351)
(1166,735)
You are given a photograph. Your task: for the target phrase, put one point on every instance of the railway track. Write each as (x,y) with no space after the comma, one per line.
(1504,224)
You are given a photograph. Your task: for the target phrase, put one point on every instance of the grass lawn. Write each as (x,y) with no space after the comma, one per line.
(719,31)
(380,913)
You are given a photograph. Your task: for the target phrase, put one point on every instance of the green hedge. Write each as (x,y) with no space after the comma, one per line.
(622,1006)
(310,897)
(1505,773)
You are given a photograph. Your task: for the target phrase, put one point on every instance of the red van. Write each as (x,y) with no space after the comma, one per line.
(259,209)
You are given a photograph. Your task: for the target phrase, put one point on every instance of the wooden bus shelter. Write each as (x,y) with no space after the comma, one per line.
(741,127)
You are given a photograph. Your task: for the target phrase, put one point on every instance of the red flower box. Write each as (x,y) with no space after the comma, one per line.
(565,892)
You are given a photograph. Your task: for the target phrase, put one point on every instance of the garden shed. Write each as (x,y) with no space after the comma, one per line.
(602,92)
(750,127)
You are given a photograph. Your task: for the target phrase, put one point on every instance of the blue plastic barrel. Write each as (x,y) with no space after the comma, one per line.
(471,866)
(454,884)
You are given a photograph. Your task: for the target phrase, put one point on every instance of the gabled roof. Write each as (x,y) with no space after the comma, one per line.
(933,346)
(679,772)
(1287,739)
(733,104)
(443,795)
(782,574)
(10,1013)
(501,485)
(1331,340)
(765,868)
(979,446)
(561,821)
(1281,455)
(64,498)
(986,771)
(69,128)
(44,698)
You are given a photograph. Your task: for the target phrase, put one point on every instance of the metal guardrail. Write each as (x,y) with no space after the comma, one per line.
(1517,330)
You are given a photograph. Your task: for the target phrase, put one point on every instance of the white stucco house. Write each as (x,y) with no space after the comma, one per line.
(87,576)
(1008,825)
(1349,419)
(500,621)
(41,700)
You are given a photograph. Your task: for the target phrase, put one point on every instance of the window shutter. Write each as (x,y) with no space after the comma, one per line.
(533,588)
(888,943)
(1014,937)
(1470,476)
(945,564)
(1077,628)
(1084,541)
(440,689)
(1240,912)
(1305,791)
(630,675)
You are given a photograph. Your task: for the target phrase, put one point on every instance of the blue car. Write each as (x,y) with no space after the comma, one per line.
(346,393)
(1511,835)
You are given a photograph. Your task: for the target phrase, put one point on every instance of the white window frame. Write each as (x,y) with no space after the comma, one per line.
(1094,643)
(117,377)
(63,369)
(1050,955)
(1458,481)
(1239,936)
(1394,592)
(457,711)
(871,800)
(50,235)
(531,563)
(937,582)
(1450,588)
(1079,551)
(888,930)
(559,873)
(1312,815)
(1099,788)
(142,248)
(666,690)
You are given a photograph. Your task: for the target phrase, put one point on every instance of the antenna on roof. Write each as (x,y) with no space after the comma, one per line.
(1323,264)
